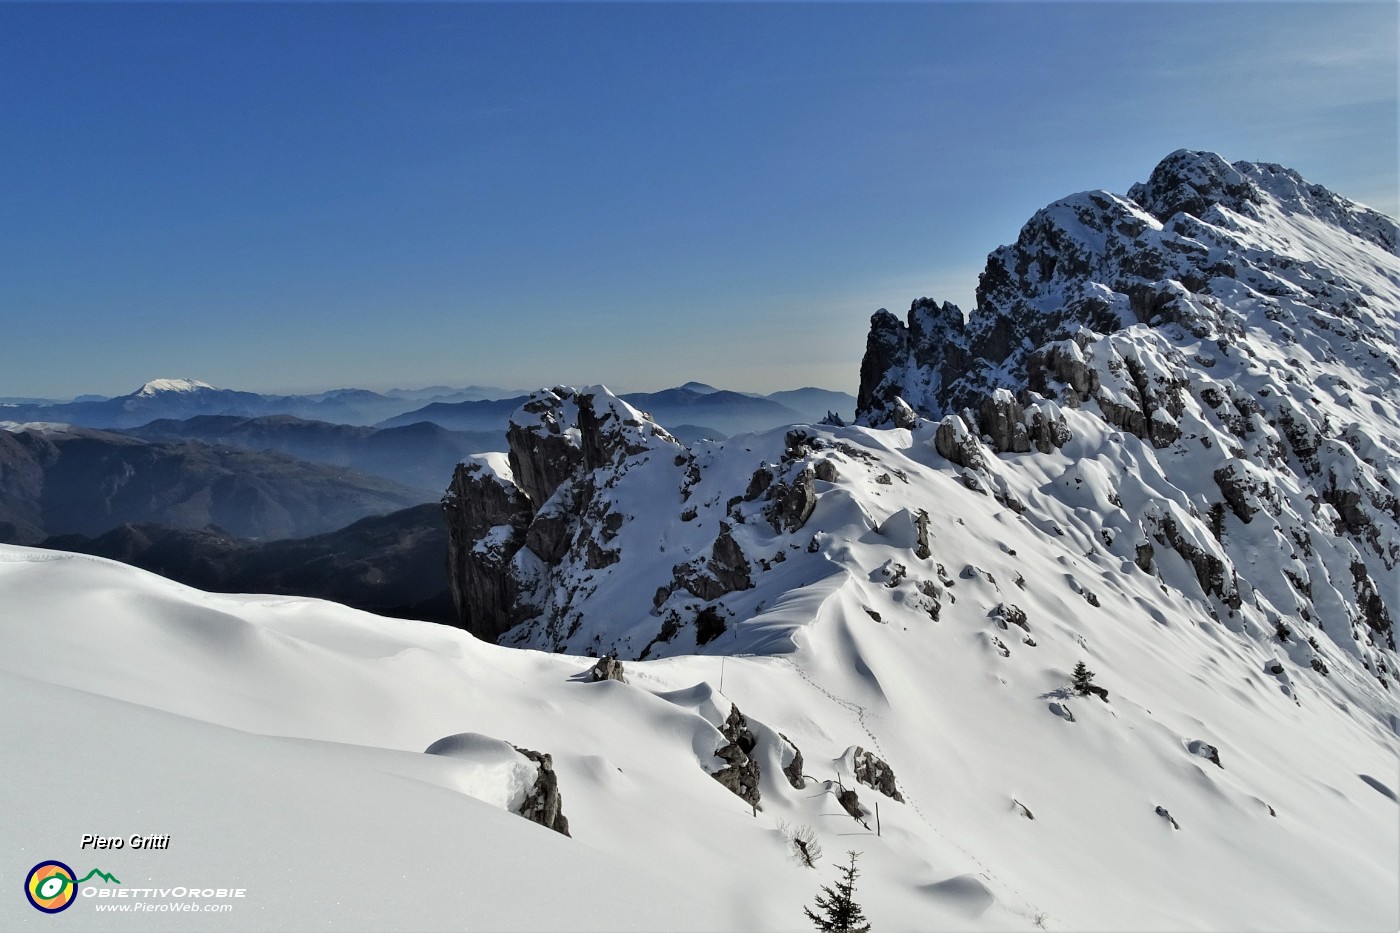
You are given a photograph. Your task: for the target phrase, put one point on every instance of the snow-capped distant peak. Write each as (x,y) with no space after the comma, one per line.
(156,386)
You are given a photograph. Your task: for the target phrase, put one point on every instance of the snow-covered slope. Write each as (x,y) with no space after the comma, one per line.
(948,653)
(206,716)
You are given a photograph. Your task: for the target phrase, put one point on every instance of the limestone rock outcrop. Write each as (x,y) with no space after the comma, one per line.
(740,773)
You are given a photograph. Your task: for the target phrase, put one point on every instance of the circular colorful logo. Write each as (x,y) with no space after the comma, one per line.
(50,887)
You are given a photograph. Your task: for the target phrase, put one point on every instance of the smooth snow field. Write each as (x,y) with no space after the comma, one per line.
(280,743)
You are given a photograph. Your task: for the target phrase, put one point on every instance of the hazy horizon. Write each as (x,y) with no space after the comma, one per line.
(506,391)
(278,197)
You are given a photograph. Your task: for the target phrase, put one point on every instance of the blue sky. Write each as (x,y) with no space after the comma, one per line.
(286,197)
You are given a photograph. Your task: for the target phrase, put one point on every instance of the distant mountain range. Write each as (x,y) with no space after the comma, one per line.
(695,408)
(420,455)
(449,394)
(79,480)
(390,564)
(702,410)
(188,398)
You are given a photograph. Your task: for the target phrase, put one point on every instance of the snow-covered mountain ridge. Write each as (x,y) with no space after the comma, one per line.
(1244,324)
(1163,446)
(1257,450)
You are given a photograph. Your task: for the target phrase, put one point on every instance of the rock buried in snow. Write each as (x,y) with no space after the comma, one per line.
(1204,750)
(1006,613)
(902,415)
(850,802)
(876,774)
(544,805)
(501,774)
(608,669)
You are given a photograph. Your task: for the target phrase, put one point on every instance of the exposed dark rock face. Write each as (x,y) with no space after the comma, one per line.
(873,772)
(850,802)
(507,527)
(740,773)
(1062,364)
(544,805)
(1002,418)
(709,625)
(542,452)
(886,347)
(1212,572)
(1246,490)
(1143,555)
(726,570)
(902,416)
(1373,608)
(921,546)
(759,483)
(931,340)
(487,520)
(728,563)
(957,443)
(791,504)
(1046,427)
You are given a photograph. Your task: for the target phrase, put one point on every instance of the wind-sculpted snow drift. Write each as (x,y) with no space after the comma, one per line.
(1164,444)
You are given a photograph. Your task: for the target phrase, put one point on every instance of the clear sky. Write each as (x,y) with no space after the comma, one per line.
(284,197)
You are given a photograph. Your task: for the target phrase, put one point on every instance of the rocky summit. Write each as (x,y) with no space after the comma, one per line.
(1240,326)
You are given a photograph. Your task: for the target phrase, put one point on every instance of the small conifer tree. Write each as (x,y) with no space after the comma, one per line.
(1083,678)
(839,912)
